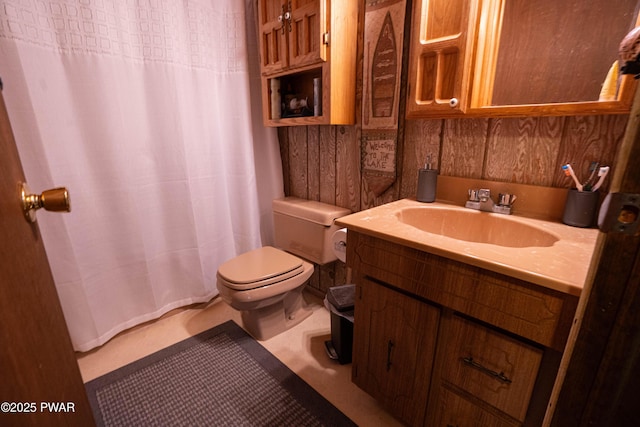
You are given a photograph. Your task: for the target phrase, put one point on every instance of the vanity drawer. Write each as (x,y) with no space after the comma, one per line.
(491,366)
(455,410)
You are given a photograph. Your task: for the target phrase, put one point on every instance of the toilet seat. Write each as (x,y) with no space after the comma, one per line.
(260,267)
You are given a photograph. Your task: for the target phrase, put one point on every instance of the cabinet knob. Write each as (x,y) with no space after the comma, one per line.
(453,102)
(285,16)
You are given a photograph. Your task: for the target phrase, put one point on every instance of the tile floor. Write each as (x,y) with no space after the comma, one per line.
(301,349)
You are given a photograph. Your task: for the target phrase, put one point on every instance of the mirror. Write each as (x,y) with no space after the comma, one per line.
(549,51)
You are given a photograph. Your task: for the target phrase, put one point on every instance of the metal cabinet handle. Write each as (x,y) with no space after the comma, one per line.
(55,200)
(500,376)
(389,348)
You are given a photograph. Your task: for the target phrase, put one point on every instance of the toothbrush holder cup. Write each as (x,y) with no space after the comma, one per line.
(580,208)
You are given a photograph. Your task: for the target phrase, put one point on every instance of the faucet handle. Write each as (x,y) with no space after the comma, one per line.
(473,195)
(506,199)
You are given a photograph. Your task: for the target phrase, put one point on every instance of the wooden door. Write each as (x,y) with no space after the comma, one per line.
(37,362)
(395,337)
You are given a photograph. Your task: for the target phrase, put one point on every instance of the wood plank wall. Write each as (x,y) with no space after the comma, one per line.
(324,162)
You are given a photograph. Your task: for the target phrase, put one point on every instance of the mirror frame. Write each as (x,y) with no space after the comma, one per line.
(490,29)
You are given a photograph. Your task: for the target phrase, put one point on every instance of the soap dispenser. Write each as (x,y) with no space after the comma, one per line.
(427,182)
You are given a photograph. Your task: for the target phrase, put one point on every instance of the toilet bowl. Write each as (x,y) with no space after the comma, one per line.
(266,284)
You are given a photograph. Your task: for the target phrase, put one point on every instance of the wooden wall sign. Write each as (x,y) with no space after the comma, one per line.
(379,161)
(380,154)
(383,36)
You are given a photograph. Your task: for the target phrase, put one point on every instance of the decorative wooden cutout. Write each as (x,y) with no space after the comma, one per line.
(384,32)
(383,36)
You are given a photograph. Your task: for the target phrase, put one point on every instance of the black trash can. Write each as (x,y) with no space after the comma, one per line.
(339,301)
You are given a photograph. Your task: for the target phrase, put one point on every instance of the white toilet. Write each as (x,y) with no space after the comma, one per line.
(266,284)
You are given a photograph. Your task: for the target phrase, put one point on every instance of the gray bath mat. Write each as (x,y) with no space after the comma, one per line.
(219,377)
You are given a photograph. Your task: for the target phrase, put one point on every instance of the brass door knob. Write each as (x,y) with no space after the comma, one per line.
(55,200)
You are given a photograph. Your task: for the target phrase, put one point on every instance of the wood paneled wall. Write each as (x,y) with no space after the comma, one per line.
(324,162)
(528,150)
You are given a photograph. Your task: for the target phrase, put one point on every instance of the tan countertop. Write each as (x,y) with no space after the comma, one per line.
(562,266)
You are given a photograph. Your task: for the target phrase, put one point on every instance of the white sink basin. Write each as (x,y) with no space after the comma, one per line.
(475,226)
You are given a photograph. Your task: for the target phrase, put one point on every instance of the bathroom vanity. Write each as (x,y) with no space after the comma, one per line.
(456,329)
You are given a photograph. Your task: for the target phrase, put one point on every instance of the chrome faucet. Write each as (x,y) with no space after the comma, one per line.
(481,200)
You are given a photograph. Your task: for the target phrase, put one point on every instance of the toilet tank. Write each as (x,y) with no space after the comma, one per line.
(304,227)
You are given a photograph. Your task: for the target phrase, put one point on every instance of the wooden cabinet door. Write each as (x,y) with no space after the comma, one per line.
(308,25)
(441,50)
(273,35)
(291,33)
(395,338)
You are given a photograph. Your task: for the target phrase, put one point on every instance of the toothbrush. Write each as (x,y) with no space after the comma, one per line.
(568,171)
(602,174)
(593,168)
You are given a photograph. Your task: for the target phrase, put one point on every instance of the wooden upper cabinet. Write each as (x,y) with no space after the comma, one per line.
(308,61)
(292,33)
(442,36)
(519,58)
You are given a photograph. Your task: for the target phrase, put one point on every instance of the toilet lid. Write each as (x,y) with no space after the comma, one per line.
(260,267)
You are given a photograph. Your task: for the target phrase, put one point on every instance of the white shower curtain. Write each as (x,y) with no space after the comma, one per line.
(149,113)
